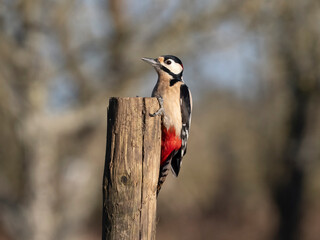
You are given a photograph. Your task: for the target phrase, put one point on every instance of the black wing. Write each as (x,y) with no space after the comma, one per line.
(186,108)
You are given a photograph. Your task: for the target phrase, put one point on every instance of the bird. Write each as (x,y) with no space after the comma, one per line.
(175,102)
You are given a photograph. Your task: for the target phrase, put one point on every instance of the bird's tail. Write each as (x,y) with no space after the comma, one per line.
(164,171)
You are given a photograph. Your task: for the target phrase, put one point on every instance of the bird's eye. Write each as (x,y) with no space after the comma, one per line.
(168,62)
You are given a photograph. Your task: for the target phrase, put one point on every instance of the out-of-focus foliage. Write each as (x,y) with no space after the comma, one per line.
(252,168)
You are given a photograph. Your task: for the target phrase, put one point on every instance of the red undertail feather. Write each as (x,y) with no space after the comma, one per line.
(170,142)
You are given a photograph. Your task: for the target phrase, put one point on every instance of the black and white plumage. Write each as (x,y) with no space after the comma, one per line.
(175,108)
(185,103)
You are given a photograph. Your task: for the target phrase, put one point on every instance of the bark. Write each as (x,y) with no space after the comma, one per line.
(131,169)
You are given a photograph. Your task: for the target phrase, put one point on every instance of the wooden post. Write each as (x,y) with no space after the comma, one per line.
(131,169)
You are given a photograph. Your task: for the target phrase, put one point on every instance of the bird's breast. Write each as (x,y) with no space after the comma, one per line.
(171,104)
(172,116)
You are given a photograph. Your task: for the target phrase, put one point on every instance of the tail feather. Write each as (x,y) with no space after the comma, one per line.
(164,171)
(176,163)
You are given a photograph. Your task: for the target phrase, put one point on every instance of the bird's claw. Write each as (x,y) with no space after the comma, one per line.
(160,110)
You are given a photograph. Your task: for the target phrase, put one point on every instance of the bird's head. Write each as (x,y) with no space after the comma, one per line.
(166,66)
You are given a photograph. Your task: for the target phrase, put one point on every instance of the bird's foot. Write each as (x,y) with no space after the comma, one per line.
(160,110)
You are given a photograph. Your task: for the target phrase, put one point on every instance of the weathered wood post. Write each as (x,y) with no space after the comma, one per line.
(131,169)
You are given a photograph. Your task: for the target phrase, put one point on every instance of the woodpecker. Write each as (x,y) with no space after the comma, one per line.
(175,102)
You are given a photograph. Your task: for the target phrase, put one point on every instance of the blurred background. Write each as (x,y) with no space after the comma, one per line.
(252,171)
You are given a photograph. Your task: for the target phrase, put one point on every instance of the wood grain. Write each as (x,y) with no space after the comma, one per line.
(131,169)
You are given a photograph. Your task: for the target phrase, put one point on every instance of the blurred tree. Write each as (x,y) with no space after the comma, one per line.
(294,37)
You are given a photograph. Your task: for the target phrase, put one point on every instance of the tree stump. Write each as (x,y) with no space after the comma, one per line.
(131,169)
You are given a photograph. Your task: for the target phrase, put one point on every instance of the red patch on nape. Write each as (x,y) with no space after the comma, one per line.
(181,65)
(169,142)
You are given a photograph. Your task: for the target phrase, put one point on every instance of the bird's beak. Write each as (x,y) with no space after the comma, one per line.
(153,62)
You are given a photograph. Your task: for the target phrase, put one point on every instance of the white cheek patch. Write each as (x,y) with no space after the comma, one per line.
(174,67)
